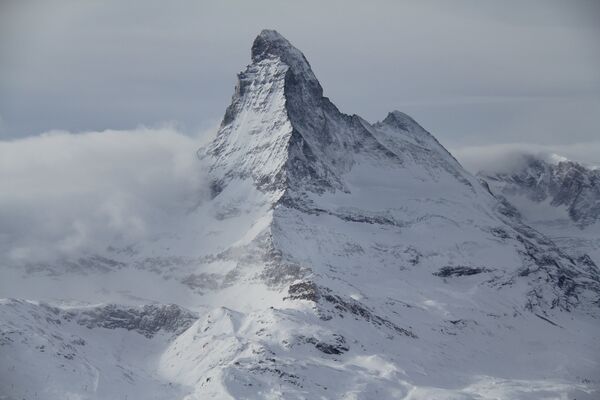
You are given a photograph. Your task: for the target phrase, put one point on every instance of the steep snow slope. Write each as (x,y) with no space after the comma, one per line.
(335,259)
(560,198)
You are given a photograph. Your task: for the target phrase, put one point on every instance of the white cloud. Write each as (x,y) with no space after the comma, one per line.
(65,193)
(508,156)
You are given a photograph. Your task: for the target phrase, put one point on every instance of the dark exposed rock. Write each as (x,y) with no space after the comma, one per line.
(451,271)
(277,274)
(147,320)
(337,347)
(457,326)
(330,304)
(357,309)
(507,209)
(500,233)
(216,187)
(586,260)
(548,320)
(305,290)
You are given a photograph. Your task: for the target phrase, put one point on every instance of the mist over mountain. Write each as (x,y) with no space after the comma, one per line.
(71,193)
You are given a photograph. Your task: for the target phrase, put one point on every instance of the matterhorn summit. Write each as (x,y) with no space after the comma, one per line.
(333,258)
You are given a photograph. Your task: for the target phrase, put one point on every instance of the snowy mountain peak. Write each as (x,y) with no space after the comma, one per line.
(280,131)
(401,121)
(270,43)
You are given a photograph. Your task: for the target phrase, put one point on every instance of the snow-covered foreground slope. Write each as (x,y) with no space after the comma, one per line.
(107,352)
(334,259)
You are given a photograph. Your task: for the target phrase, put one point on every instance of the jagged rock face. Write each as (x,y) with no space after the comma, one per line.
(565,184)
(338,258)
(255,120)
(282,132)
(315,162)
(147,320)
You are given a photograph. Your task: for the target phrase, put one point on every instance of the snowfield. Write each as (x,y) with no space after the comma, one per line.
(333,259)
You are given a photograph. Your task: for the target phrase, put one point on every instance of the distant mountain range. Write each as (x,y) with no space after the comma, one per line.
(558,197)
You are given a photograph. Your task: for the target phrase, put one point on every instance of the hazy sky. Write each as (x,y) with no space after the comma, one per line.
(474,73)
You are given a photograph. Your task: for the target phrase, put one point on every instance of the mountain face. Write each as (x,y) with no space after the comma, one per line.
(560,198)
(563,184)
(334,258)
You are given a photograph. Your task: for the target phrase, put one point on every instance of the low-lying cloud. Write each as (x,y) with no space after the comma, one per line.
(64,193)
(509,156)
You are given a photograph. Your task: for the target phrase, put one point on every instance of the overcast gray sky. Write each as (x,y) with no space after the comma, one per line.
(474,73)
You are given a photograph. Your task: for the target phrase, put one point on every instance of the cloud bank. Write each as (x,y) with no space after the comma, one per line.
(66,193)
(509,156)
